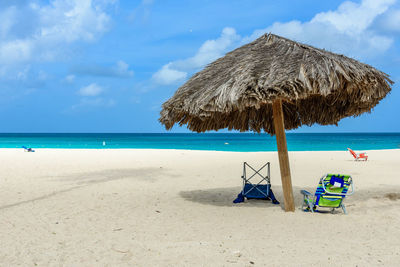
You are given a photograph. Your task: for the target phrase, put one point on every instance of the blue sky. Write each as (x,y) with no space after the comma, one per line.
(108,65)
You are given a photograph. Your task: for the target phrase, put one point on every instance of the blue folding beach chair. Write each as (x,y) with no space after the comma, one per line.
(330,193)
(26,149)
(258,190)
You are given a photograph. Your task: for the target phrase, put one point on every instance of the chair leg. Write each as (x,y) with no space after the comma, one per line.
(304,204)
(344,209)
(307,202)
(311,207)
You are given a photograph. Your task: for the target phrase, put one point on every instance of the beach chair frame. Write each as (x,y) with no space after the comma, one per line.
(260,189)
(358,156)
(264,179)
(310,201)
(28,149)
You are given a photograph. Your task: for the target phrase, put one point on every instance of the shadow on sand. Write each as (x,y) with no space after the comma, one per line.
(225,196)
(92,178)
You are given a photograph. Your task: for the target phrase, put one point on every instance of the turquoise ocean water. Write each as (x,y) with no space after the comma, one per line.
(207,141)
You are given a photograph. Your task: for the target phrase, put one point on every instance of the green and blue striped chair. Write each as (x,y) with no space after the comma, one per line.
(330,193)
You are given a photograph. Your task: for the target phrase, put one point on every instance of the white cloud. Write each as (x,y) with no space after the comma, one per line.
(122,69)
(91,97)
(90,90)
(38,32)
(208,52)
(168,76)
(70,78)
(16,51)
(19,78)
(353,18)
(348,29)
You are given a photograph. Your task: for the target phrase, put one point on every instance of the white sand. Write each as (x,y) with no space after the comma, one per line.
(174,208)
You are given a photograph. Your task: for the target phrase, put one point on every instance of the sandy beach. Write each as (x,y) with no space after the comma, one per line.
(174,208)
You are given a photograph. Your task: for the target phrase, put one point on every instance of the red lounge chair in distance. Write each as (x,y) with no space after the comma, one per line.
(358,156)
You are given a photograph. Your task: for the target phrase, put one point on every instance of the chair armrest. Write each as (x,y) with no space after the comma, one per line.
(305,193)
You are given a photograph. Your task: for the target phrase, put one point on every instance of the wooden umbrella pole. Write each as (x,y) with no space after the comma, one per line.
(283,155)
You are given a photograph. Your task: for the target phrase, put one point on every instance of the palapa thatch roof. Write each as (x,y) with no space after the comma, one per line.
(237,90)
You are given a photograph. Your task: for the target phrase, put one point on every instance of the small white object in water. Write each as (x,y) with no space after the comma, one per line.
(226,143)
(104,143)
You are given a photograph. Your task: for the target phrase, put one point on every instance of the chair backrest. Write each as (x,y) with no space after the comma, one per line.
(332,189)
(353,153)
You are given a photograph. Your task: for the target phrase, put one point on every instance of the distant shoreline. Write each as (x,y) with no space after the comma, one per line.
(189,133)
(235,142)
(183,150)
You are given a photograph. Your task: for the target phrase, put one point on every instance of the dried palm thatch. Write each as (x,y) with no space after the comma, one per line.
(237,90)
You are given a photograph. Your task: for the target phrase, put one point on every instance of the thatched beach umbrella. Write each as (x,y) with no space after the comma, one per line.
(273,84)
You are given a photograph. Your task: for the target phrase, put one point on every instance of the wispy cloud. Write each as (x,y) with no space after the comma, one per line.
(22,77)
(91,90)
(209,51)
(91,96)
(40,31)
(69,78)
(168,75)
(351,29)
(119,70)
(142,12)
(93,102)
